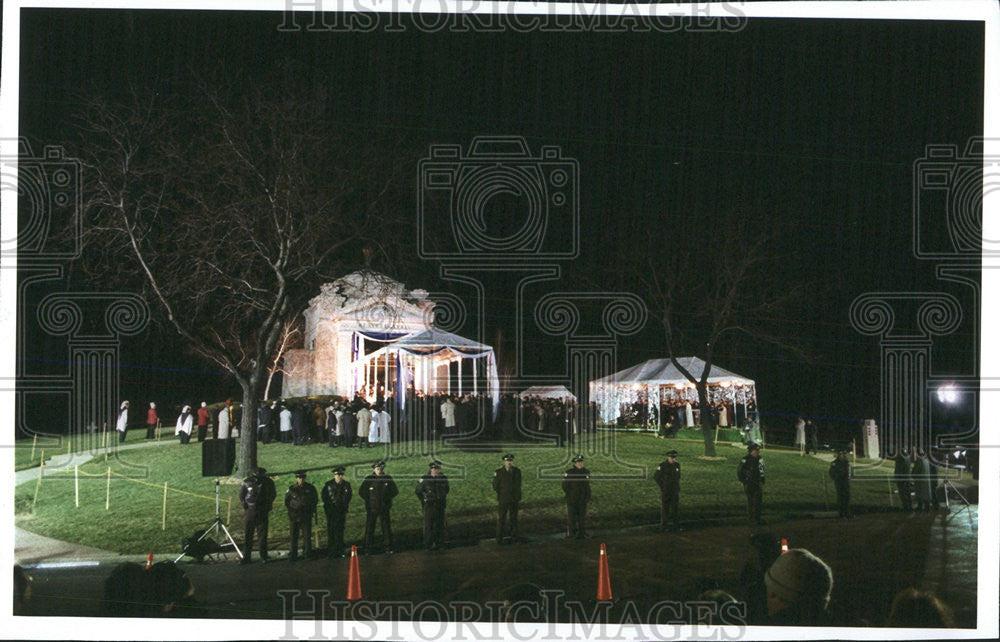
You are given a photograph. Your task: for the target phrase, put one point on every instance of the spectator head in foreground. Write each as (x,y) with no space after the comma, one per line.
(798,587)
(912,608)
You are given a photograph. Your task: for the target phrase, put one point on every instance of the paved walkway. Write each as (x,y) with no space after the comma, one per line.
(872,556)
(68,460)
(32,548)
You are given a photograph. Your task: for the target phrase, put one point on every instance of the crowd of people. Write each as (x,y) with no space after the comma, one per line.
(677,414)
(360,423)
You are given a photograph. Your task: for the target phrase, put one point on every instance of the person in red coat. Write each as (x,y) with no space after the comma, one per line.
(203,418)
(151,420)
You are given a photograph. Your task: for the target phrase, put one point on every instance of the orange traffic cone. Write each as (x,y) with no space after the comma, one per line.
(149,561)
(603,578)
(354,577)
(784,545)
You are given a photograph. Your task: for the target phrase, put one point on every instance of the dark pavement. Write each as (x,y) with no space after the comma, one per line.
(872,556)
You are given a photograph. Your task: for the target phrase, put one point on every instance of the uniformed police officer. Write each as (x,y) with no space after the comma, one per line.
(377,491)
(751,475)
(301,500)
(336,497)
(432,491)
(576,486)
(668,478)
(840,473)
(507,485)
(257,494)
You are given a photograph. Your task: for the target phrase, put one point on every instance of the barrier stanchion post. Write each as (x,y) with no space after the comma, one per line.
(76,484)
(107,492)
(888,483)
(163,526)
(34,440)
(158,426)
(41,473)
(105,435)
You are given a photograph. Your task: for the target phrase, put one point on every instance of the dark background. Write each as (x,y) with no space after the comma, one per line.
(816,124)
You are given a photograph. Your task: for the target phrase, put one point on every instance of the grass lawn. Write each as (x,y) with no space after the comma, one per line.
(624,497)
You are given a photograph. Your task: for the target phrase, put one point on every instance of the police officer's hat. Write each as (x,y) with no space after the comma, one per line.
(436,464)
(300,473)
(508,457)
(379,464)
(671,453)
(578,458)
(339,470)
(752,446)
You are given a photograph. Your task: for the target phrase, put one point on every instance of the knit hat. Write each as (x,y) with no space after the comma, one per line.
(800,576)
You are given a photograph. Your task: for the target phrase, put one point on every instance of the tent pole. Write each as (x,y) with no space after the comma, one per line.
(659,408)
(475,384)
(645,389)
(460,376)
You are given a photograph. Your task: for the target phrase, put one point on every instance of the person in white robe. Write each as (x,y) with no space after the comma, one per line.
(122,424)
(184,423)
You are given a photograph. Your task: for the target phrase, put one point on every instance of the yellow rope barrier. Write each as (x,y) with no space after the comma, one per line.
(110,473)
(34,440)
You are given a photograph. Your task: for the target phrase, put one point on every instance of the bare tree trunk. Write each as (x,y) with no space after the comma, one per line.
(246,458)
(707,420)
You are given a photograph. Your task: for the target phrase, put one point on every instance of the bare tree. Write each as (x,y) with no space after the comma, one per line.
(708,285)
(291,337)
(226,209)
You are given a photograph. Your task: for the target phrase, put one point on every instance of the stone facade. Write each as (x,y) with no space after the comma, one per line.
(359,302)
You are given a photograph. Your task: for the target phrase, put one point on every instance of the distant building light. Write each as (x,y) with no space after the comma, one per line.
(947,394)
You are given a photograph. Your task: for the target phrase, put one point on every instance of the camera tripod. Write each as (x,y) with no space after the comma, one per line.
(215,526)
(949,486)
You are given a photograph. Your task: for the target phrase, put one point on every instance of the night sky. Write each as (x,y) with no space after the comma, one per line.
(815,124)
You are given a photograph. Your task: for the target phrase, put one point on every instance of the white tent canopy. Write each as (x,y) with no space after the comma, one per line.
(657,380)
(548,392)
(427,349)
(434,338)
(663,372)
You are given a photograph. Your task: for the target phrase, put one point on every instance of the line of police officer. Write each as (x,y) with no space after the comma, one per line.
(379,489)
(257,494)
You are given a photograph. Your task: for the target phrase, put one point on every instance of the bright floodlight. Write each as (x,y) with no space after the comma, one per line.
(947,394)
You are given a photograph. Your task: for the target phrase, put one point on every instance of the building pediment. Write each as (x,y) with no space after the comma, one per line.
(368,301)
